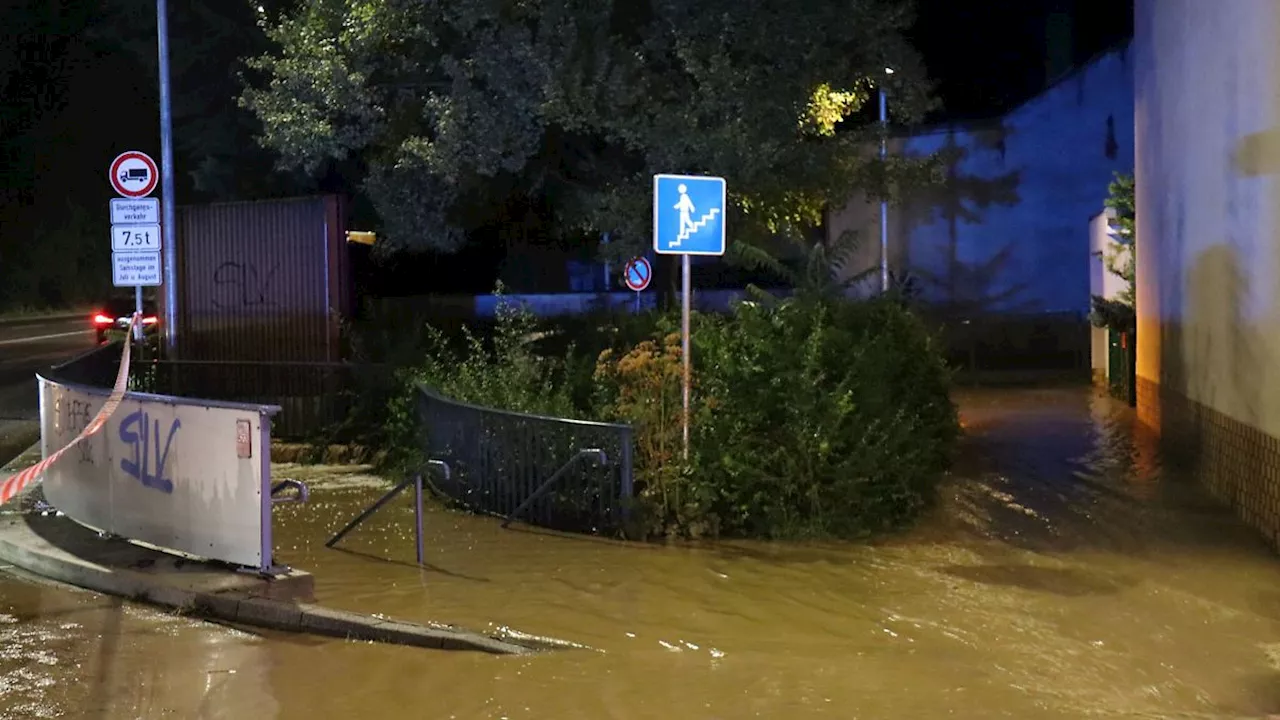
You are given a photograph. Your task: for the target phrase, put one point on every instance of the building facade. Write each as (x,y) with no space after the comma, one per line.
(1008,229)
(1207,128)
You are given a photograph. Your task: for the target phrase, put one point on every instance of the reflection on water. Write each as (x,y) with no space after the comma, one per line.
(74,654)
(1063,574)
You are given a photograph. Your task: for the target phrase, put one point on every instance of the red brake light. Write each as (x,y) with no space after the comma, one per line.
(100,319)
(149,320)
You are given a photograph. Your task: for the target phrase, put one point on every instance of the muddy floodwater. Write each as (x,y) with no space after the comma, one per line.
(1064,574)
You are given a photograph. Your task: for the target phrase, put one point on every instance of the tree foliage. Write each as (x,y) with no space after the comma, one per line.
(452,107)
(1120,258)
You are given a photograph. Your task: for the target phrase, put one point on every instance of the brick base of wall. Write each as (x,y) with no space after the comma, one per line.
(1239,464)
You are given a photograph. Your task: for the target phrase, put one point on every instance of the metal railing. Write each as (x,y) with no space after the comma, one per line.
(533,467)
(312,396)
(564,474)
(96,367)
(417,483)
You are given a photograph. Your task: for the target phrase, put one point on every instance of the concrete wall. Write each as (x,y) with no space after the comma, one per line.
(1008,230)
(1207,81)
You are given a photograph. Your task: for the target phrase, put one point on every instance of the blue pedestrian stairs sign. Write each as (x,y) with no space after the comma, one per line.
(688,215)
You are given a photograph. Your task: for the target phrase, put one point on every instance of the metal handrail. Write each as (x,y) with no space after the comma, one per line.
(303,492)
(597,453)
(416,481)
(272,363)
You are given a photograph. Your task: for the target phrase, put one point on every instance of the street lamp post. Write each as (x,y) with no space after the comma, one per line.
(169,250)
(884,204)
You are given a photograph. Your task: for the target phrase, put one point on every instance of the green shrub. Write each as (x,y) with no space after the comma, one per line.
(503,371)
(581,339)
(812,418)
(643,387)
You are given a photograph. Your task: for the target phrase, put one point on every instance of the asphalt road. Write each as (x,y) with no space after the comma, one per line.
(27,347)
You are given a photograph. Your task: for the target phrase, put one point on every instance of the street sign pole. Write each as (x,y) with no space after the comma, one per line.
(686,299)
(170,250)
(135,226)
(688,219)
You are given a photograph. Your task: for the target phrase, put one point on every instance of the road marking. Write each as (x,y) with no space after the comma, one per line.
(37,338)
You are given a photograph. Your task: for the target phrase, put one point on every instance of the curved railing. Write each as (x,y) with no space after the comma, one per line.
(559,473)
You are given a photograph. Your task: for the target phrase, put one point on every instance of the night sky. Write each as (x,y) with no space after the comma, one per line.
(989,56)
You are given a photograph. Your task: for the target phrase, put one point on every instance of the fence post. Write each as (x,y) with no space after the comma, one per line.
(626,480)
(417,513)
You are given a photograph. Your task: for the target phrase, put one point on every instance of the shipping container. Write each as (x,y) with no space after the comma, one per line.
(262,281)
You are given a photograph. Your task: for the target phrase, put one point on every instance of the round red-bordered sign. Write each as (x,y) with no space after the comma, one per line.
(637,274)
(134,174)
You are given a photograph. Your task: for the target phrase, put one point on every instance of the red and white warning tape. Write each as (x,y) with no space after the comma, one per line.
(19,482)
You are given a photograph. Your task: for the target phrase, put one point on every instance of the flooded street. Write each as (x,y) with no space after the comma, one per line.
(1064,574)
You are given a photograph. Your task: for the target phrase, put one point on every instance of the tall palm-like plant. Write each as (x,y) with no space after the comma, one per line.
(816,269)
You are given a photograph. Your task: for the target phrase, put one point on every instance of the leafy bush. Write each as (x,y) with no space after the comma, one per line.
(502,371)
(581,339)
(813,417)
(643,387)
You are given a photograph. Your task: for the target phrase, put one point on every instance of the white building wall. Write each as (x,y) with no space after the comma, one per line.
(1207,129)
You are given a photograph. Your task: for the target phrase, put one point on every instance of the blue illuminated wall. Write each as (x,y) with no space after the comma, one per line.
(1009,229)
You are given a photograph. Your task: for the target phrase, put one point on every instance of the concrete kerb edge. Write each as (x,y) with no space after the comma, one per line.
(233,607)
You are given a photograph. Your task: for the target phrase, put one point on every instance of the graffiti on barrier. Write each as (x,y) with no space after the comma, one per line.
(149,458)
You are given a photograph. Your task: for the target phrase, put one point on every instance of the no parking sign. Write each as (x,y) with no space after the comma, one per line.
(637,274)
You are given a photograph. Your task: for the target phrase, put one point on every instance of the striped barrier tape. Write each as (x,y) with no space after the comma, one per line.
(19,482)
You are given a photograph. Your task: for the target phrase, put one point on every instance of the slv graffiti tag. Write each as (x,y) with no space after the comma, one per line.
(147,453)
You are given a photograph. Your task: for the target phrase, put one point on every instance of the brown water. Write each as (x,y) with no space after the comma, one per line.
(1064,575)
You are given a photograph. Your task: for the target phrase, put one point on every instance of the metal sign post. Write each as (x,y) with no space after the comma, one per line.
(170,326)
(637,275)
(135,226)
(688,219)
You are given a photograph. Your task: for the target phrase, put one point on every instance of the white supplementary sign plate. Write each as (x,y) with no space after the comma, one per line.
(142,211)
(134,269)
(130,238)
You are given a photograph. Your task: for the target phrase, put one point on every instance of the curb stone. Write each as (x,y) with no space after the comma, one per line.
(246,605)
(228,596)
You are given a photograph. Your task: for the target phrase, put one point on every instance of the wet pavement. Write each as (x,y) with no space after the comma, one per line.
(28,347)
(1064,574)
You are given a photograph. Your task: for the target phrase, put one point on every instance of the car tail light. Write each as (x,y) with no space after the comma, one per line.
(100,319)
(149,320)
